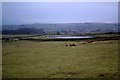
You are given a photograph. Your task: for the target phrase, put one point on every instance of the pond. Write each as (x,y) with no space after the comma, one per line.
(71,37)
(74,37)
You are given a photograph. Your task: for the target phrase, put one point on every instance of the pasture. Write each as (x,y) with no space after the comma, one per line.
(0,59)
(29,59)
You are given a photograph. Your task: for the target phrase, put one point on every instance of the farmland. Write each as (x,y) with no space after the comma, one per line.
(0,59)
(53,59)
(61,40)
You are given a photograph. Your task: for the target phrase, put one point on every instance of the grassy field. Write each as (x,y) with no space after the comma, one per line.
(27,59)
(8,36)
(0,59)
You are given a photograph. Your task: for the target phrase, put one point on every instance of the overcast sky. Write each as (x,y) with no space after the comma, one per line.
(59,12)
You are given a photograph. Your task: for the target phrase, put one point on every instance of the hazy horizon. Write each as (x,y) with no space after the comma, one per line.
(65,23)
(17,13)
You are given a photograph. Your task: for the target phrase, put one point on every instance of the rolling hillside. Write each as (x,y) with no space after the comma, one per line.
(68,27)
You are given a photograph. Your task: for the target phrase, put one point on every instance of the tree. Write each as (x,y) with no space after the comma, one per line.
(58,33)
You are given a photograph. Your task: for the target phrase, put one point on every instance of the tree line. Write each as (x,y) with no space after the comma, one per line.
(24,31)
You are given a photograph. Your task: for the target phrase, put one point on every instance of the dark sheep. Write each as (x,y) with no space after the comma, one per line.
(72,45)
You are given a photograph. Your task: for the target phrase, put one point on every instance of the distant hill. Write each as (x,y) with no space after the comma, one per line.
(64,28)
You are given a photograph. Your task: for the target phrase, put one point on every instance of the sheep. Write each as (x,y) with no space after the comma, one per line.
(72,45)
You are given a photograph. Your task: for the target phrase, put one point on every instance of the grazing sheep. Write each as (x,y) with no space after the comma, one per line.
(72,45)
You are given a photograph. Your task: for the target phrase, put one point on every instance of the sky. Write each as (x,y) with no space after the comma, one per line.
(59,12)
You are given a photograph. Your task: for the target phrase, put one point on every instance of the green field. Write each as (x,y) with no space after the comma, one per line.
(0,59)
(28,59)
(20,35)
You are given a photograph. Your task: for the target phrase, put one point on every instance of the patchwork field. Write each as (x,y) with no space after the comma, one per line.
(28,59)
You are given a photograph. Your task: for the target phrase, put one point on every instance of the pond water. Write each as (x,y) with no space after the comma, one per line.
(72,37)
